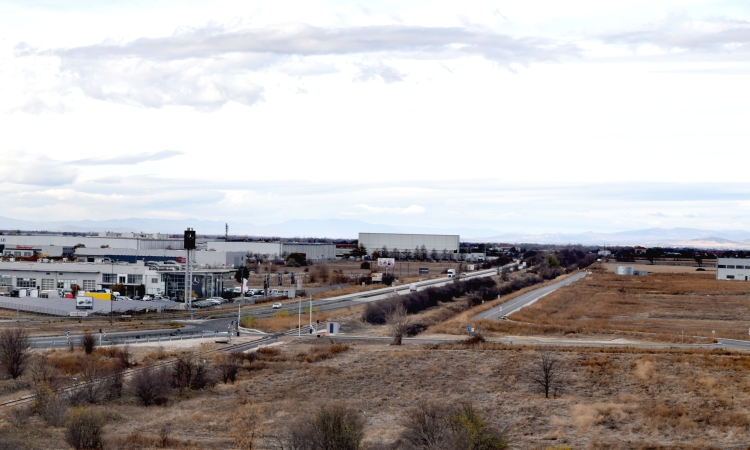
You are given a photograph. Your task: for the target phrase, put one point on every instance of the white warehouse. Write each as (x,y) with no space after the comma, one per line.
(732,269)
(442,243)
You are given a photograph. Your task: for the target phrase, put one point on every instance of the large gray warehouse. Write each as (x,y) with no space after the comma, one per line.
(442,243)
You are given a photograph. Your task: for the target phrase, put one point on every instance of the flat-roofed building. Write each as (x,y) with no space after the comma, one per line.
(732,269)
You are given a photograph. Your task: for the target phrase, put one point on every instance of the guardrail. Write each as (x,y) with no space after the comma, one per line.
(158,337)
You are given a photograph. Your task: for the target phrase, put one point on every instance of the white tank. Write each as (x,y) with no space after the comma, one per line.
(623,270)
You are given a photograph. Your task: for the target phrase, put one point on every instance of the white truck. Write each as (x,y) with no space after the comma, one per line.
(451,273)
(413,287)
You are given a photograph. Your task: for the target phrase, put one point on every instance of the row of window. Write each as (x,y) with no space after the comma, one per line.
(729,266)
(90,285)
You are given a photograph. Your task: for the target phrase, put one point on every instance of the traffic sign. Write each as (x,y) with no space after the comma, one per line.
(67,334)
(468,329)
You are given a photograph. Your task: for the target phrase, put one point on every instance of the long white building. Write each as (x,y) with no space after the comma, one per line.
(732,269)
(439,242)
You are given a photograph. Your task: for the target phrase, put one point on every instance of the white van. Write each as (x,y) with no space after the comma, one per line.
(451,273)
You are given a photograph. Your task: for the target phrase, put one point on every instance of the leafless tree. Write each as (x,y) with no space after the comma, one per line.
(547,372)
(42,371)
(15,350)
(427,427)
(332,427)
(88,342)
(229,366)
(95,382)
(152,386)
(398,322)
(435,426)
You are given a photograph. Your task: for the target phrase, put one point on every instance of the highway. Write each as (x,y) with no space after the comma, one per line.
(216,325)
(526,299)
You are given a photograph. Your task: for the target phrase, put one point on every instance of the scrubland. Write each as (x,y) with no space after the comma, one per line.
(658,307)
(620,398)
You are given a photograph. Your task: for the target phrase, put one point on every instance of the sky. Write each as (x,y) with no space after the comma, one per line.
(532,116)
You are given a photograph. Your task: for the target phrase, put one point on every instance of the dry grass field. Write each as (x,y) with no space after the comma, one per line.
(609,399)
(663,268)
(656,307)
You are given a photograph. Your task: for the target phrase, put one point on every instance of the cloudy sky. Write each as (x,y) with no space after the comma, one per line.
(536,116)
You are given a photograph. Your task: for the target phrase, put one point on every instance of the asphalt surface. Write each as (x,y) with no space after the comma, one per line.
(217,326)
(526,299)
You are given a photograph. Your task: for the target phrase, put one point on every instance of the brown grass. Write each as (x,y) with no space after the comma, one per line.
(657,307)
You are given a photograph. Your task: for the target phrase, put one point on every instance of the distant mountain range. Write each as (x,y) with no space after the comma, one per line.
(349,229)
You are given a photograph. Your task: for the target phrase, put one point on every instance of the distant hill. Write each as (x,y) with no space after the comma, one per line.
(349,229)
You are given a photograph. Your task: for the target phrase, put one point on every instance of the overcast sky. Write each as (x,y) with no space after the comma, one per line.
(536,116)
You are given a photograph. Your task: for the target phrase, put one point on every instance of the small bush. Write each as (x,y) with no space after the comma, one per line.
(335,426)
(365,265)
(88,342)
(187,374)
(50,406)
(152,386)
(83,430)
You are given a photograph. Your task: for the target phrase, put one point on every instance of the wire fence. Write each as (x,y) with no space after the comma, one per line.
(149,338)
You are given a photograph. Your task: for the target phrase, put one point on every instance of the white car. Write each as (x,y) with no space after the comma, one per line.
(146,298)
(276,306)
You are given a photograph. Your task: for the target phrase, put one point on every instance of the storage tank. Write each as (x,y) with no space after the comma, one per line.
(623,270)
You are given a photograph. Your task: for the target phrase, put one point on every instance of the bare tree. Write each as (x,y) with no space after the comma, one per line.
(95,386)
(434,426)
(398,322)
(332,427)
(88,342)
(229,366)
(42,371)
(15,350)
(427,427)
(152,386)
(547,372)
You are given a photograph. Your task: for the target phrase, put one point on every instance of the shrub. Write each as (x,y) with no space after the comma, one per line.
(229,366)
(14,350)
(434,426)
(187,374)
(83,430)
(50,406)
(88,342)
(365,265)
(332,427)
(152,386)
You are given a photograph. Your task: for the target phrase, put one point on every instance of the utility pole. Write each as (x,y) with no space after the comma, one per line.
(311,312)
(299,325)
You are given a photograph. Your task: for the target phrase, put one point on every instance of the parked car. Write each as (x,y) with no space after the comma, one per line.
(137,298)
(122,297)
(277,306)
(147,298)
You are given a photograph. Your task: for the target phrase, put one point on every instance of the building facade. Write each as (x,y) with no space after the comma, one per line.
(442,243)
(93,276)
(732,269)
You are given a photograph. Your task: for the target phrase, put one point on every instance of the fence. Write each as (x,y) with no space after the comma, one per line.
(34,309)
(156,337)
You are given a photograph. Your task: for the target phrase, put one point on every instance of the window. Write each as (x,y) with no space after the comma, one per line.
(722,266)
(6,281)
(109,278)
(739,267)
(89,285)
(26,283)
(154,280)
(66,284)
(48,283)
(730,277)
(730,266)
(135,279)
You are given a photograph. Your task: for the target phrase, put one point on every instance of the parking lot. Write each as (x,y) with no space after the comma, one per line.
(64,306)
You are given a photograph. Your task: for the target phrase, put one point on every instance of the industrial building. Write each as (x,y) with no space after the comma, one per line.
(202,258)
(442,243)
(89,277)
(732,269)
(313,251)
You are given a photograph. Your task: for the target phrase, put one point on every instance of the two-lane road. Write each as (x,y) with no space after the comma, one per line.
(526,299)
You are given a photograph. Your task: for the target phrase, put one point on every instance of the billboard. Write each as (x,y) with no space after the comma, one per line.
(377,277)
(84,303)
(386,262)
(424,270)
